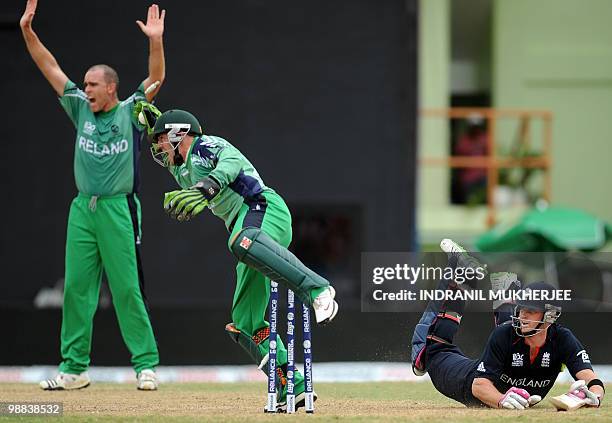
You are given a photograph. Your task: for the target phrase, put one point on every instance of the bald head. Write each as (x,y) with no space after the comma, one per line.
(110,74)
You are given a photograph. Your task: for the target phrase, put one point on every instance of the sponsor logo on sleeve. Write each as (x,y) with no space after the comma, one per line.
(584,356)
(481,367)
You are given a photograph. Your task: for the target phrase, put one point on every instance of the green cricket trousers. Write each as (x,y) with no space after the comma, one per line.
(271,215)
(104,234)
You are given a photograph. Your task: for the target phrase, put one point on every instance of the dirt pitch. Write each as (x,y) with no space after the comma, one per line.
(362,402)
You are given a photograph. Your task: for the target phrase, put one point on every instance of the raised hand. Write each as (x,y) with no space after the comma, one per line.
(155,22)
(147,115)
(28,15)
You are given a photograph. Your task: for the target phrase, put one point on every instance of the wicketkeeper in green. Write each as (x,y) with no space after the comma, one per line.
(104,221)
(213,174)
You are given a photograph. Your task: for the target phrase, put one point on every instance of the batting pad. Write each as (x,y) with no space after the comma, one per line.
(256,350)
(256,249)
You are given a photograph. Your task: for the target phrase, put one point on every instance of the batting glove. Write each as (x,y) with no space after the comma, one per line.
(183,204)
(147,115)
(580,390)
(518,399)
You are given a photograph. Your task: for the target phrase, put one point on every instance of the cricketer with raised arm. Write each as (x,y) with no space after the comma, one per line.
(214,174)
(105,217)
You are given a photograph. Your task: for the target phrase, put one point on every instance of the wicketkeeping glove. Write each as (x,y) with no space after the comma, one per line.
(147,115)
(518,399)
(183,204)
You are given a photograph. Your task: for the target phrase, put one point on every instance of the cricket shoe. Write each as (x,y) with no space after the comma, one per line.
(464,259)
(147,380)
(325,306)
(66,381)
(503,281)
(300,396)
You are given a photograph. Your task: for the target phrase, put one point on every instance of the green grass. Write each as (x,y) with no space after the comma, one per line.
(350,402)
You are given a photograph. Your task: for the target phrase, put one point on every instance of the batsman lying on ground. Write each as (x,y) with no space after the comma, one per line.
(214,174)
(522,358)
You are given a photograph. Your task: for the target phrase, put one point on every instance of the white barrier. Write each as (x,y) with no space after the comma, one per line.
(323,372)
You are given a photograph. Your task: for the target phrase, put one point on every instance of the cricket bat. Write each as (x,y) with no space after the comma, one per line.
(572,400)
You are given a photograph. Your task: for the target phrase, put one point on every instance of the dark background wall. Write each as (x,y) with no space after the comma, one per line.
(320,95)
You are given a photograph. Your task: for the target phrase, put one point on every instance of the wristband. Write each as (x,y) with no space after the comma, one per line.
(598,382)
(208,187)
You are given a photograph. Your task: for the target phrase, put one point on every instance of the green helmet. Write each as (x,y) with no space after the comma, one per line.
(176,119)
(177,124)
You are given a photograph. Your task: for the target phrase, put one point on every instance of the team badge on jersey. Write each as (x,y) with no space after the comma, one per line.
(546,359)
(517,360)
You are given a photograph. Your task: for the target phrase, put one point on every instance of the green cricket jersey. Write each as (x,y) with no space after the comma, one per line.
(214,157)
(107,148)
